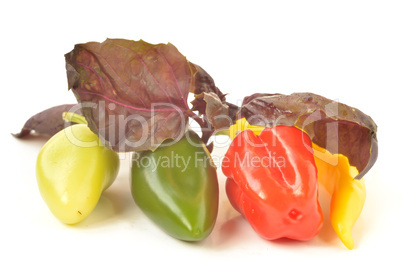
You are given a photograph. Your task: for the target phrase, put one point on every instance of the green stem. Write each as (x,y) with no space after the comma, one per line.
(73,117)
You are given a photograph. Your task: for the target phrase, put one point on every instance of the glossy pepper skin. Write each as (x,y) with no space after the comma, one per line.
(73,168)
(348,194)
(336,175)
(272,182)
(176,187)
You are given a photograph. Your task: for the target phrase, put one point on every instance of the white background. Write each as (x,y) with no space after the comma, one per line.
(350,51)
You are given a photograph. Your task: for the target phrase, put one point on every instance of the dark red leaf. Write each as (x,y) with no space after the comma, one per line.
(330,124)
(46,123)
(204,83)
(210,102)
(219,114)
(135,92)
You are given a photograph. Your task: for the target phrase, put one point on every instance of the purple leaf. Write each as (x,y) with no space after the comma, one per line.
(46,123)
(330,124)
(220,114)
(211,102)
(134,94)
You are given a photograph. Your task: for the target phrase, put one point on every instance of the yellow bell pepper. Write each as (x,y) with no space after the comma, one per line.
(348,194)
(73,169)
(336,175)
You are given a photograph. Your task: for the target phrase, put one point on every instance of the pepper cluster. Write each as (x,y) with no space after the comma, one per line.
(132,97)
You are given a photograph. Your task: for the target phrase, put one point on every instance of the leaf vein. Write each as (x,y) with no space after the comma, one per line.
(132,90)
(146,67)
(174,76)
(125,105)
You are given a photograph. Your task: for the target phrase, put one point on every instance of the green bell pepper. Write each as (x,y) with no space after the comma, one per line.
(176,187)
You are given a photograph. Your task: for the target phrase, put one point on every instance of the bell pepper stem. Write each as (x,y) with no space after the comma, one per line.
(348,194)
(74,117)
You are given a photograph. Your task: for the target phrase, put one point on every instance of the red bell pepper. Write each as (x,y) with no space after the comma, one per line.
(272,182)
